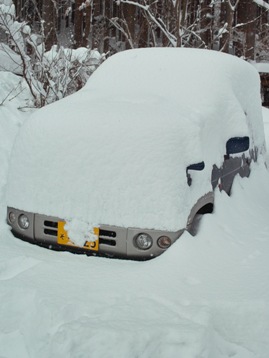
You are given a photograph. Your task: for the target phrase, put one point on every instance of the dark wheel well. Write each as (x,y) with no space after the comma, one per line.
(207,209)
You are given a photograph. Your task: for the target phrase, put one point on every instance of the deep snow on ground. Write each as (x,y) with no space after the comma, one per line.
(206,297)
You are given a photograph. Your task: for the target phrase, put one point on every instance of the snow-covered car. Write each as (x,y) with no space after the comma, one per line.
(125,165)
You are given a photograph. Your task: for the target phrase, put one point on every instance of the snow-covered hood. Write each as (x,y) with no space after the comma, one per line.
(116,152)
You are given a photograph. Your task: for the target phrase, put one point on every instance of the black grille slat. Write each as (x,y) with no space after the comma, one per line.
(107,242)
(50,232)
(107,233)
(51,224)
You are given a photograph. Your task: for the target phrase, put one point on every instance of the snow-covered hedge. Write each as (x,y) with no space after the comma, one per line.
(50,75)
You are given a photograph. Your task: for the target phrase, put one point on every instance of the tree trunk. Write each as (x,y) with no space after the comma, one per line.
(143,30)
(18,7)
(178,22)
(108,13)
(206,23)
(78,25)
(129,13)
(226,21)
(262,43)
(246,15)
(49,18)
(87,23)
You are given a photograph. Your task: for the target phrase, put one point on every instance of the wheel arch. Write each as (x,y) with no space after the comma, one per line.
(204,205)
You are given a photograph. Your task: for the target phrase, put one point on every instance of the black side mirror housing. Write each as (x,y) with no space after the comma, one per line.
(197,166)
(237,145)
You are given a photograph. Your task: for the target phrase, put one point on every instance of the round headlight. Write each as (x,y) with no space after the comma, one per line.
(23,221)
(143,241)
(164,242)
(12,217)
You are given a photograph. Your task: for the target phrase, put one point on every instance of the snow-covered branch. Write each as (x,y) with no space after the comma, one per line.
(233,7)
(171,38)
(85,4)
(49,75)
(115,21)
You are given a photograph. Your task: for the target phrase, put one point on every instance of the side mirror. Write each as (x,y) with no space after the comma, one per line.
(237,145)
(197,166)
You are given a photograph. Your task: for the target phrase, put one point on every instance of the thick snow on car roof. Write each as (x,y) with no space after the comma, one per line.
(116,152)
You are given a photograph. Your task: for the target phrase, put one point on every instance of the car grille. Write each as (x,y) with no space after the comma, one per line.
(106,237)
(50,228)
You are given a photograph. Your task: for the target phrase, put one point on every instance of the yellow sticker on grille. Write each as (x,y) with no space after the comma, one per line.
(63,239)
(93,245)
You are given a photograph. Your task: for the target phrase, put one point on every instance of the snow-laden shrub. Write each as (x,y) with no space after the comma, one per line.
(60,72)
(50,75)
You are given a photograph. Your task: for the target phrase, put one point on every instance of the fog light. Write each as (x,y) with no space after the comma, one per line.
(164,242)
(12,217)
(23,221)
(143,241)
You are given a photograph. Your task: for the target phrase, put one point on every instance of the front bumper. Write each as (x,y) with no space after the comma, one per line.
(114,241)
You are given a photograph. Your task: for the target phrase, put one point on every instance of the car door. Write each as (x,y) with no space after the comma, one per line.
(236,161)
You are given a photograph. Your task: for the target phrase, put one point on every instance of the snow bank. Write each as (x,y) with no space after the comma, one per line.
(13,95)
(265,113)
(116,152)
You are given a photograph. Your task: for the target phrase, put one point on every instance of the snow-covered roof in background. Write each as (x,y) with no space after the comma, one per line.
(262,67)
(262,4)
(116,152)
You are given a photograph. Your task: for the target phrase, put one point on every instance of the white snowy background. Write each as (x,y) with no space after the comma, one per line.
(206,297)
